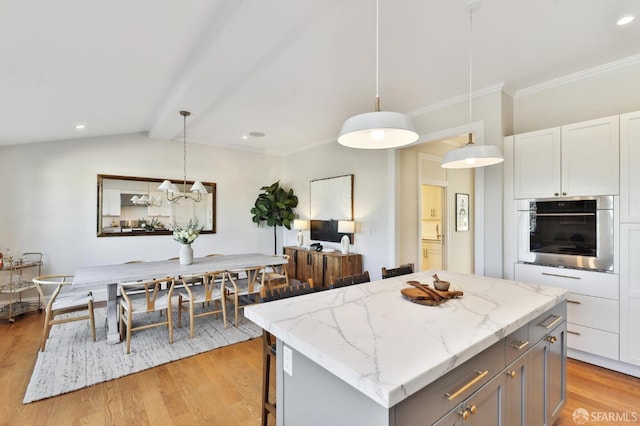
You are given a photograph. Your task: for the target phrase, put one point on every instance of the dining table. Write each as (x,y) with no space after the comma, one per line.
(105,278)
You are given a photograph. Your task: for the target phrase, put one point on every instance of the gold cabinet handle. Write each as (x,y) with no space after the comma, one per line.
(519,344)
(511,374)
(552,323)
(464,414)
(472,409)
(552,339)
(454,395)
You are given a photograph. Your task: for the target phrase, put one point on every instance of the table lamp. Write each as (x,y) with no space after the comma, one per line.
(346,227)
(300,225)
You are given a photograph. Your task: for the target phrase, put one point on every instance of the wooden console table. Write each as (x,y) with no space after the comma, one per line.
(321,266)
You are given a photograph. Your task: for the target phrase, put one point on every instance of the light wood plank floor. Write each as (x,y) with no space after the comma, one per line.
(221,387)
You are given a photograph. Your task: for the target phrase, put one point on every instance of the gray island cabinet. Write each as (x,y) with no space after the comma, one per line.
(363,355)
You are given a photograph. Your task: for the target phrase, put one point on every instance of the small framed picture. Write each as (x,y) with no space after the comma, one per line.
(462,212)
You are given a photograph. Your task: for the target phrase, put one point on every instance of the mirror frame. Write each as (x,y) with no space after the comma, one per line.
(99,215)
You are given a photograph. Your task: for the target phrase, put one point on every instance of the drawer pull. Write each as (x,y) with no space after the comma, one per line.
(561,276)
(552,323)
(480,375)
(574,332)
(519,344)
(574,301)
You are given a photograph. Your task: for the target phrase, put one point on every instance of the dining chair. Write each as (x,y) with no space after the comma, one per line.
(336,282)
(243,290)
(276,275)
(208,291)
(57,304)
(405,269)
(269,344)
(144,297)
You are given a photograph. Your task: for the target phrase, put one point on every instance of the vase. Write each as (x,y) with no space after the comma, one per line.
(186,254)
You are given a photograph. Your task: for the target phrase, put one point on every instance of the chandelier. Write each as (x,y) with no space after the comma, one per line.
(146,201)
(171,190)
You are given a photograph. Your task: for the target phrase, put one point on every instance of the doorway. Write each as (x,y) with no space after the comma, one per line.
(431,226)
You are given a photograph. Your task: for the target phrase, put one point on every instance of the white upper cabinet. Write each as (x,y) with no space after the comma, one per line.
(537,164)
(590,157)
(575,160)
(629,170)
(110,202)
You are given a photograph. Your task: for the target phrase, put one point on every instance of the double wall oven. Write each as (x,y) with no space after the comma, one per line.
(571,232)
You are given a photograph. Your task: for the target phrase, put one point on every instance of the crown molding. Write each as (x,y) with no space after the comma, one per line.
(458,99)
(580,75)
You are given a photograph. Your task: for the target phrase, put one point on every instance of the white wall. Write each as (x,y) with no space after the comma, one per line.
(371,195)
(49,200)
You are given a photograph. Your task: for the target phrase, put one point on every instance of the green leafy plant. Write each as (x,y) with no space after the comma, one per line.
(275,207)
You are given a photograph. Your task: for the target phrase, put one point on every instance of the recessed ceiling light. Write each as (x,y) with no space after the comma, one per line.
(625,20)
(257,134)
(245,137)
(80,126)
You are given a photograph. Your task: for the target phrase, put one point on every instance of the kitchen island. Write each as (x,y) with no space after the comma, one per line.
(365,355)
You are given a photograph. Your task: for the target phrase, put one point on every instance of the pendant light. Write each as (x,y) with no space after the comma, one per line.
(471,155)
(170,188)
(378,129)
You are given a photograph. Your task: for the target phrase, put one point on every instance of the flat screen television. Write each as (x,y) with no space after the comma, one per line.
(326,230)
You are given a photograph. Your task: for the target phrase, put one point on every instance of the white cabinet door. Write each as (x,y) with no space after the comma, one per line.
(630,293)
(629,170)
(580,159)
(537,164)
(111,202)
(590,157)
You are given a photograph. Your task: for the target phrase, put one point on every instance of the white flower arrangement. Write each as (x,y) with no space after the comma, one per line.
(188,234)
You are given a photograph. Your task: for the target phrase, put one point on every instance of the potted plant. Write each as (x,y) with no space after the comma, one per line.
(275,207)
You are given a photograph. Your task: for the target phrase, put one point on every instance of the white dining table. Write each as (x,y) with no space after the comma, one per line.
(97,279)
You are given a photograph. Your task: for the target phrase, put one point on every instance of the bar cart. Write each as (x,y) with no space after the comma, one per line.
(15,281)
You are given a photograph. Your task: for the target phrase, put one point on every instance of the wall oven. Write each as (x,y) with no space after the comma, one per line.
(570,232)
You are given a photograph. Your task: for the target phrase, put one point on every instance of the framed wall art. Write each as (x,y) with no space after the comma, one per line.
(462,212)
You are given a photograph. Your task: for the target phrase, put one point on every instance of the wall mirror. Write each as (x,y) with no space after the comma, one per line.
(331,199)
(130,206)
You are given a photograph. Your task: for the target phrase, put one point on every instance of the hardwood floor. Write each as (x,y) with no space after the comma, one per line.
(221,387)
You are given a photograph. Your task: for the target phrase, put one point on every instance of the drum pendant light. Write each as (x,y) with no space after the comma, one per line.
(471,155)
(378,129)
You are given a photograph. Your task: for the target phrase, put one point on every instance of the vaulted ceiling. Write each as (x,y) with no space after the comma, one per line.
(291,69)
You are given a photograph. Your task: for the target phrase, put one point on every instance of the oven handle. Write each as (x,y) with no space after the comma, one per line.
(563,214)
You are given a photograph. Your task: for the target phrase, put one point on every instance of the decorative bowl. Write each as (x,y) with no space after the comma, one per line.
(441,285)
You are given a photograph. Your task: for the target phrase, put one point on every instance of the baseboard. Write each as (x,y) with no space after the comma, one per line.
(608,363)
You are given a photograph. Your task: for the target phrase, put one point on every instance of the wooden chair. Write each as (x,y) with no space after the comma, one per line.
(207,290)
(349,280)
(243,290)
(143,297)
(396,272)
(269,344)
(277,275)
(62,305)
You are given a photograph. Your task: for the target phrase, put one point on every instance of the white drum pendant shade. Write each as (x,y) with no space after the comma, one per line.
(472,155)
(378,130)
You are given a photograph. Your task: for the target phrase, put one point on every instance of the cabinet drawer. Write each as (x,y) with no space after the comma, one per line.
(594,312)
(517,343)
(593,341)
(545,323)
(431,403)
(598,284)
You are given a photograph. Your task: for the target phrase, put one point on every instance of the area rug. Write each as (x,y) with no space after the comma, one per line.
(72,360)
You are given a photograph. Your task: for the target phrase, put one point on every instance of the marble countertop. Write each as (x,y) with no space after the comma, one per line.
(389,348)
